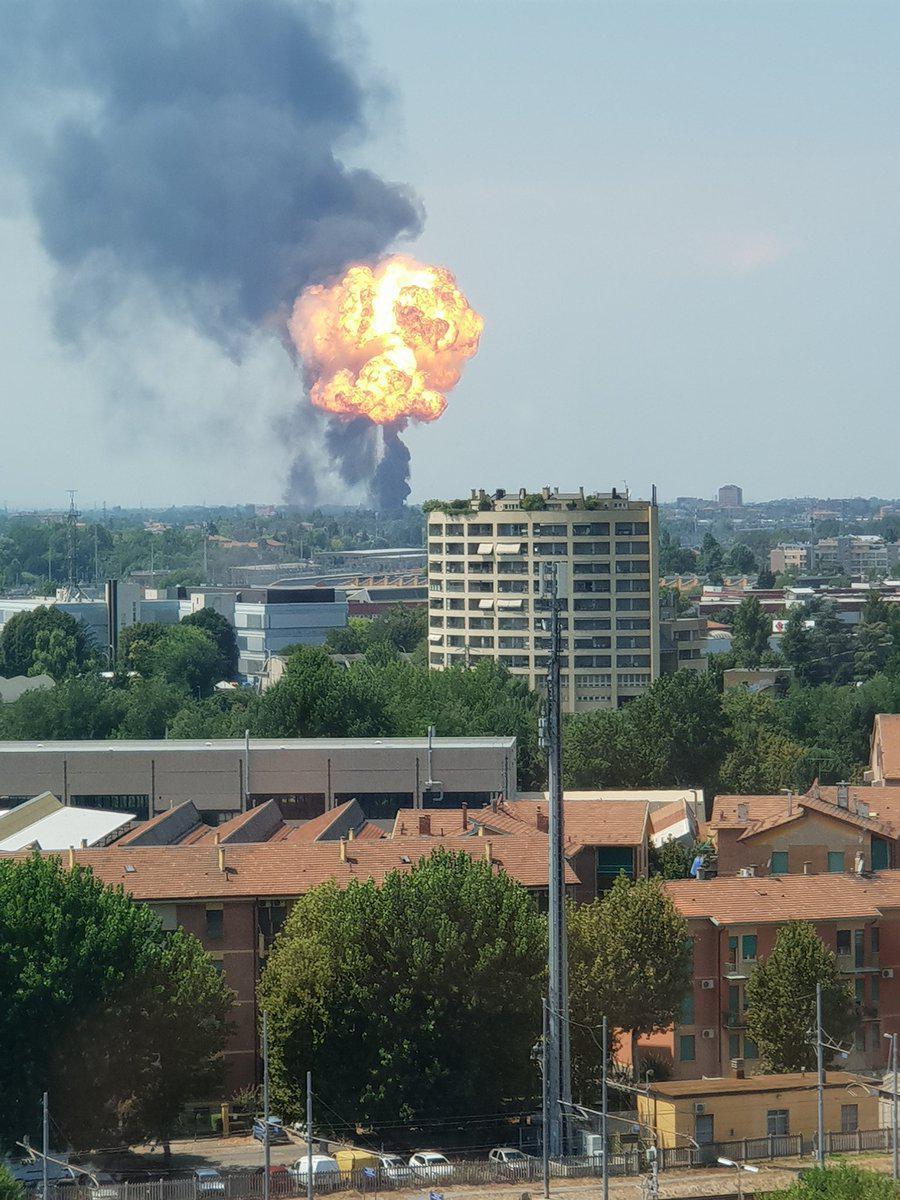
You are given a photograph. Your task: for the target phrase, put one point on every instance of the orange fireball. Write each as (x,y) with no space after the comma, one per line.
(385,342)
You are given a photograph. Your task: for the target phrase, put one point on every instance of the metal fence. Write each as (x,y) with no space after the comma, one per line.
(248,1185)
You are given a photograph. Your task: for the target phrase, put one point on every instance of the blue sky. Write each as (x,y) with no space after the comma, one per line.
(679,221)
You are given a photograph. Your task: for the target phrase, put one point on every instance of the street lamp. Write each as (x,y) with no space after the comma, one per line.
(739,1167)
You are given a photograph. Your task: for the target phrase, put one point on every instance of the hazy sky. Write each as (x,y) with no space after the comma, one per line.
(679,220)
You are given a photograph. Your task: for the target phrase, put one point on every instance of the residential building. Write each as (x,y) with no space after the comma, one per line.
(884,760)
(789,556)
(235,897)
(706,1111)
(731,496)
(227,776)
(487,598)
(682,643)
(853,554)
(825,831)
(733,923)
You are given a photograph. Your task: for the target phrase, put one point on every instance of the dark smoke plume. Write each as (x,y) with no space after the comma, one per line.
(190,145)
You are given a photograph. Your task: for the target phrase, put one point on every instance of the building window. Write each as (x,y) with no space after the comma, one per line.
(849,1118)
(779,864)
(843,941)
(750,1050)
(748,946)
(875,939)
(777,1124)
(610,861)
(734,1045)
(835,861)
(687,1047)
(686,1016)
(880,854)
(214,924)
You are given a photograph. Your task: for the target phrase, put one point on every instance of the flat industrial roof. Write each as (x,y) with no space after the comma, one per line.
(119,746)
(67,827)
(672,1089)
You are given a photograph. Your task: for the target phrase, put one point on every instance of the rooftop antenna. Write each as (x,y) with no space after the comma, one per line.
(72,588)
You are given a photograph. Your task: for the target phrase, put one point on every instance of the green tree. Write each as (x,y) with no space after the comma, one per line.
(188,658)
(844,1181)
(10,1188)
(781,1000)
(120,1021)
(29,633)
(711,558)
(222,633)
(136,644)
(874,642)
(740,560)
(434,978)
(674,859)
(752,627)
(796,647)
(83,708)
(674,559)
(628,961)
(679,720)
(765,578)
(352,638)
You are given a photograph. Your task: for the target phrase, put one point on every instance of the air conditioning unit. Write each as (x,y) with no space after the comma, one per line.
(709,1033)
(707,984)
(887,973)
(699,1110)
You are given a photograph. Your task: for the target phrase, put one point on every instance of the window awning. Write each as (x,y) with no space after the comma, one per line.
(435,637)
(485,548)
(517,603)
(509,548)
(486,603)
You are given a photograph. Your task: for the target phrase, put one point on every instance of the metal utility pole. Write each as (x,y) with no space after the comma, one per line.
(267,1152)
(45,1146)
(896,1149)
(559,1076)
(309,1154)
(820,1069)
(604,1142)
(72,542)
(545,1115)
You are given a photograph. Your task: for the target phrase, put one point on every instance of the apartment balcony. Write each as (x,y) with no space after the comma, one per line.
(732,1019)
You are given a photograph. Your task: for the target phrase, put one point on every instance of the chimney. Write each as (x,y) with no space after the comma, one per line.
(84,843)
(350,834)
(481,831)
(751,870)
(216,838)
(465,816)
(220,856)
(807,868)
(743,812)
(541,820)
(862,807)
(493,803)
(71,858)
(488,851)
(790,811)
(843,795)
(343,850)
(425,825)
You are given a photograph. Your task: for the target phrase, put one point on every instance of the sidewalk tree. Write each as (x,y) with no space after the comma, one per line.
(781,1001)
(629,960)
(121,1022)
(434,979)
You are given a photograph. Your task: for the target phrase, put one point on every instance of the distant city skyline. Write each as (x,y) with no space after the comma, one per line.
(677,220)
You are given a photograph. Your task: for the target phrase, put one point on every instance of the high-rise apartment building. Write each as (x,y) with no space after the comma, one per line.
(485,593)
(731,496)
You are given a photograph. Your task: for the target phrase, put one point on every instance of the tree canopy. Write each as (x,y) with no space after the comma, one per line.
(44,639)
(781,1000)
(120,1021)
(433,978)
(751,631)
(843,1181)
(222,633)
(629,961)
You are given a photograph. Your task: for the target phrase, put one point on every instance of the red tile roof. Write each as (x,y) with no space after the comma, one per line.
(887,735)
(312,830)
(287,869)
(593,822)
(732,900)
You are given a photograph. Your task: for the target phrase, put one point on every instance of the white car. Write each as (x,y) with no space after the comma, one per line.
(428,1164)
(513,1162)
(324,1168)
(393,1167)
(209,1182)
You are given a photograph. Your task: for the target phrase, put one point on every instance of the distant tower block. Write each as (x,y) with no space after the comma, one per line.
(731,496)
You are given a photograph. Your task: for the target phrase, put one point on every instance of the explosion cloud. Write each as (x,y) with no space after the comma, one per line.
(381,347)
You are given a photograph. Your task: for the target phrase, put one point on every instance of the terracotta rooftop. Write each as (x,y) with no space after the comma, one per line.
(758,814)
(731,900)
(675,1088)
(594,822)
(886,736)
(157,873)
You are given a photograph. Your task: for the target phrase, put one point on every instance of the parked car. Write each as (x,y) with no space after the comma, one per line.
(209,1181)
(276,1130)
(429,1164)
(393,1167)
(324,1168)
(509,1161)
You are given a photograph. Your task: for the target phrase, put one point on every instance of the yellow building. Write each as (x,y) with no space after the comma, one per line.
(683,1111)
